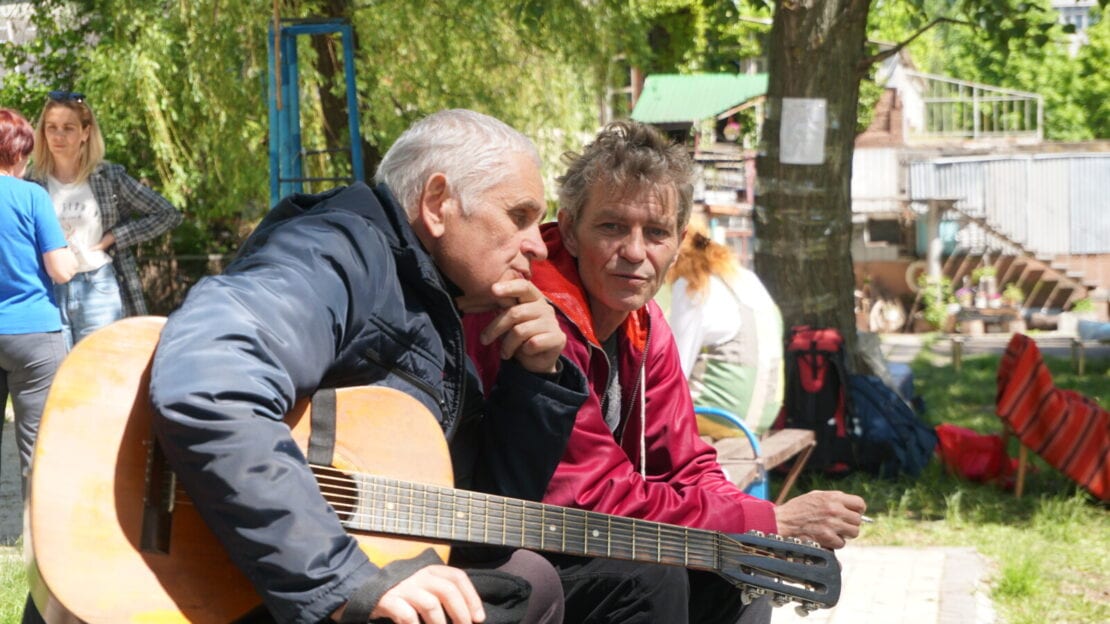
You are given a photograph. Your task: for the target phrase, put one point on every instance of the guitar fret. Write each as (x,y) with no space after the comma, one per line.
(685,546)
(564,542)
(523,508)
(585,536)
(388,506)
(608,542)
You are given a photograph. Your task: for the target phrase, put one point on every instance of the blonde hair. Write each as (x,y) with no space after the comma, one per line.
(92,151)
(699,258)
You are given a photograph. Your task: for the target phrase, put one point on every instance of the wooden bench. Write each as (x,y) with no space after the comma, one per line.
(1078,349)
(744,467)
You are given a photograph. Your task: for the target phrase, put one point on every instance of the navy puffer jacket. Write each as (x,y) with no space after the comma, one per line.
(331,290)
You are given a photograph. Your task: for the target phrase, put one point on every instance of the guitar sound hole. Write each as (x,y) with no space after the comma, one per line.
(339,489)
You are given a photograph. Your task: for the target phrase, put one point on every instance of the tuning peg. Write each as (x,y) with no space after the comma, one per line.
(805,608)
(757,533)
(780,600)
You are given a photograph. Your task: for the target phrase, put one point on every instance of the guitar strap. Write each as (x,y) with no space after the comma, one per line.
(321,437)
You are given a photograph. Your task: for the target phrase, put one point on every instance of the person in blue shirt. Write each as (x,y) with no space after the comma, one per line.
(35,258)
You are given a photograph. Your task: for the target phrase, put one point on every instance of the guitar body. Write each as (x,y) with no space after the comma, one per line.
(86,506)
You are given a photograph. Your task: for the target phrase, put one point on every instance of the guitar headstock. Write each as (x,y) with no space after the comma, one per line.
(788,569)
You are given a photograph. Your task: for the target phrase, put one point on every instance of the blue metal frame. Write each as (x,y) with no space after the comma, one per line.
(760,487)
(286,151)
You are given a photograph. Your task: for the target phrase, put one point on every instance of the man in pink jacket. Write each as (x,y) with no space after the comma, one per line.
(634,450)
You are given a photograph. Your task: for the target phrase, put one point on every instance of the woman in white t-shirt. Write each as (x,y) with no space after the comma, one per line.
(729,335)
(103,211)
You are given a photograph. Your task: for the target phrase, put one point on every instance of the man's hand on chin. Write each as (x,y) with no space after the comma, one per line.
(526,325)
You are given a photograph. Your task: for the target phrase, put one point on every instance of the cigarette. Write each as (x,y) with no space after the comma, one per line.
(866,519)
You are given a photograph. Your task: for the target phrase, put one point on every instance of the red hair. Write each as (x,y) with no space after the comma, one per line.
(700,258)
(16,137)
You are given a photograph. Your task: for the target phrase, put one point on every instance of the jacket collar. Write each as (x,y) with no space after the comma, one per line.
(410,253)
(558,278)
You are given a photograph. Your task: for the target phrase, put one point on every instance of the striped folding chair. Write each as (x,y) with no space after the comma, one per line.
(1068,430)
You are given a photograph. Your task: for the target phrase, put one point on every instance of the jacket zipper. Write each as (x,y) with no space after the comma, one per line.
(639,380)
(426,387)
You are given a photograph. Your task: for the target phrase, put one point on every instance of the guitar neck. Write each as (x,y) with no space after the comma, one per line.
(402,508)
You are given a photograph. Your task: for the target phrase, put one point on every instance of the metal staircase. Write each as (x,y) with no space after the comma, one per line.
(1047,284)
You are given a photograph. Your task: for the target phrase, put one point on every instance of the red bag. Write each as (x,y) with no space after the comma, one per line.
(976,456)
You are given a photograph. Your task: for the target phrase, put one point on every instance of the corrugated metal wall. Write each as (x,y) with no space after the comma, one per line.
(1090,205)
(1053,204)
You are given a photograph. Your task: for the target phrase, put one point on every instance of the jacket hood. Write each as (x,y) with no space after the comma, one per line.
(558,278)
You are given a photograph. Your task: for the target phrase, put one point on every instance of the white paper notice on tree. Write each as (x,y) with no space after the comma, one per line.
(802,133)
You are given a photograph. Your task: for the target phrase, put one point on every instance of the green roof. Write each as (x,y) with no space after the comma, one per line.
(670,98)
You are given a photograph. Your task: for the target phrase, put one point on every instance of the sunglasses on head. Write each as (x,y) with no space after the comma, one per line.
(66,96)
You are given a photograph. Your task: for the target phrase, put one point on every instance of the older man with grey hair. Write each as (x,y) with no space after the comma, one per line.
(364,286)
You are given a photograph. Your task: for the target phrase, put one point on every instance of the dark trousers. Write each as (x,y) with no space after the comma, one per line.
(606,591)
(545,603)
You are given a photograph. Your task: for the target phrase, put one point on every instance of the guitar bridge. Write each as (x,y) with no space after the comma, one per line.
(158,500)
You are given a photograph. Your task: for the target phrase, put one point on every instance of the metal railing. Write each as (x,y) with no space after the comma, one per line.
(951,108)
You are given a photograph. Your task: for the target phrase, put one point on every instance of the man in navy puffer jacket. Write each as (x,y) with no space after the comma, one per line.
(365,286)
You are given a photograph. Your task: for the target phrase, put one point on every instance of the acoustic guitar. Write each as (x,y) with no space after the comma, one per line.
(113,539)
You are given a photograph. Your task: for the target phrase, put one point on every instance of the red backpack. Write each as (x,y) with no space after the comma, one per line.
(816,397)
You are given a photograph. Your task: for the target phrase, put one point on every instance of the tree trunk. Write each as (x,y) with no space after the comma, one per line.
(803,214)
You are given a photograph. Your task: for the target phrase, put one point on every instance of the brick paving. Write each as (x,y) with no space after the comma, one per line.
(904,585)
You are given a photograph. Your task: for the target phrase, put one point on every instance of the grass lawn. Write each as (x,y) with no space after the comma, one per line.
(13,584)
(1050,549)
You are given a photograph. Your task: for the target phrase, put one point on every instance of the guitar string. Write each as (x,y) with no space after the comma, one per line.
(708,549)
(704,549)
(522,513)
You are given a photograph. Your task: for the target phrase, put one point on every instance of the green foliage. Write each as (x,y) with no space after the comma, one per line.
(1014,44)
(1091,91)
(1019,579)
(1083,305)
(935,295)
(1013,293)
(13,585)
(180,88)
(981,272)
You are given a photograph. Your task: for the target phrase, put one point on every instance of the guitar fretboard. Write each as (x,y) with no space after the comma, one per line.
(403,508)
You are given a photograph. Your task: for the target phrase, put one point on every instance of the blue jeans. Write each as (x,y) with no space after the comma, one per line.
(88,302)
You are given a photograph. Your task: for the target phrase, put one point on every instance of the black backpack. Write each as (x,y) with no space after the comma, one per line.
(816,397)
(891,439)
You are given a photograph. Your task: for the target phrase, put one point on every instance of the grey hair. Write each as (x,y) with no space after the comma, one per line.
(470,148)
(625,157)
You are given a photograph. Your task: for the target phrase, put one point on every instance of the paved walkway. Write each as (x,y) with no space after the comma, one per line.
(902,585)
